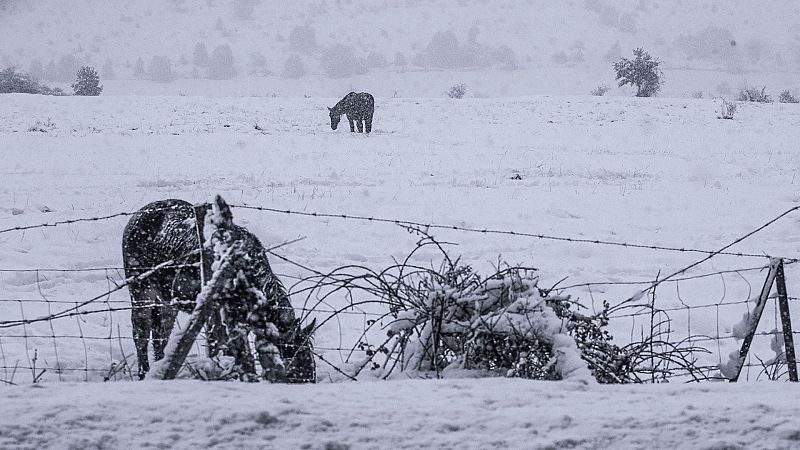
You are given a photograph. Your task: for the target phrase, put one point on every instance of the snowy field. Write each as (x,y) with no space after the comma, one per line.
(663,172)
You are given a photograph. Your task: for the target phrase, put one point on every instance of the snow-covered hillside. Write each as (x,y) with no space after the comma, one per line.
(407,48)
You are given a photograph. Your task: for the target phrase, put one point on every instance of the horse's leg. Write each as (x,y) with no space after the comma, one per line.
(144,301)
(352,125)
(163,321)
(239,348)
(360,124)
(216,336)
(368,123)
(269,356)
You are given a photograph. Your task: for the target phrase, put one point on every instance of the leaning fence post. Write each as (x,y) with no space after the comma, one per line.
(755,316)
(786,322)
(200,218)
(180,342)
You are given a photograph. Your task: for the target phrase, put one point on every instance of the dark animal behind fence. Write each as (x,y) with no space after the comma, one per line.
(166,230)
(359,107)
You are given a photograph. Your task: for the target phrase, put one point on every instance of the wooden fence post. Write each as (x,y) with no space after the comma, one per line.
(755,316)
(180,342)
(786,322)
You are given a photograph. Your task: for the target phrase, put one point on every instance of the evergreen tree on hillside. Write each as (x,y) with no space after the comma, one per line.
(220,65)
(138,69)
(200,55)
(160,69)
(87,82)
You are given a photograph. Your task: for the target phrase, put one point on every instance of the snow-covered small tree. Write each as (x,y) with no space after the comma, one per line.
(642,72)
(87,82)
(303,38)
(220,66)
(12,81)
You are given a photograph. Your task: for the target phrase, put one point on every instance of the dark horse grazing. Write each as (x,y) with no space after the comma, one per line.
(358,107)
(165,231)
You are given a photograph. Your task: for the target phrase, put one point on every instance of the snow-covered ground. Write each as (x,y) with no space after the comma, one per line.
(660,172)
(436,414)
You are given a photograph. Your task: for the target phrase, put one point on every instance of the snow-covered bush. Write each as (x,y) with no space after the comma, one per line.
(303,38)
(13,81)
(160,69)
(753,94)
(294,67)
(728,109)
(642,72)
(340,61)
(600,91)
(87,82)
(502,326)
(220,65)
(786,96)
(457,91)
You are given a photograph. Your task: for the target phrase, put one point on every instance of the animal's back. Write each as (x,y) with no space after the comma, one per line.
(160,231)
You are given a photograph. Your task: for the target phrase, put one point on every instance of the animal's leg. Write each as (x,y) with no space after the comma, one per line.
(368,123)
(216,336)
(360,124)
(144,300)
(239,347)
(352,125)
(163,321)
(268,354)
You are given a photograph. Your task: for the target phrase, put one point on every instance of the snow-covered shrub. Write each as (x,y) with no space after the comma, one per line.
(600,91)
(42,127)
(294,67)
(642,72)
(786,96)
(13,81)
(87,82)
(220,65)
(728,109)
(752,94)
(697,94)
(160,69)
(457,91)
(303,38)
(340,61)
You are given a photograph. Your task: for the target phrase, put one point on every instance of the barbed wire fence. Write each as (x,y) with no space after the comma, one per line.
(46,336)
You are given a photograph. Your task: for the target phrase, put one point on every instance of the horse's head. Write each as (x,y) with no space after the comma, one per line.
(335,118)
(297,350)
